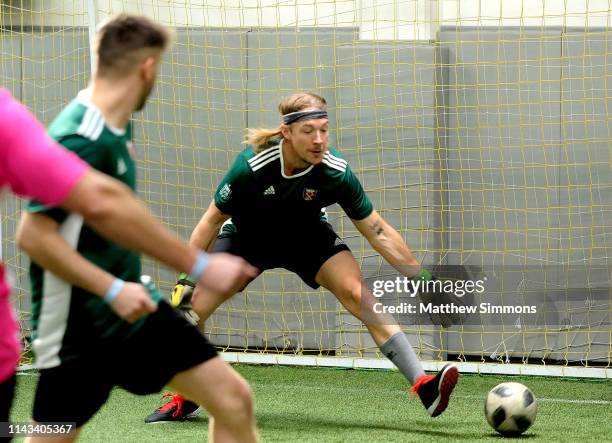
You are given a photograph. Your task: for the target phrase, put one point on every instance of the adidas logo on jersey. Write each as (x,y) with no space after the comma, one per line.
(269,191)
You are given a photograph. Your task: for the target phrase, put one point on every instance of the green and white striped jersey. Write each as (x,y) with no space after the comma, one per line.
(68,321)
(262,200)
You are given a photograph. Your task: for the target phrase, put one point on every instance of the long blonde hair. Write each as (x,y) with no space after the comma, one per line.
(260,137)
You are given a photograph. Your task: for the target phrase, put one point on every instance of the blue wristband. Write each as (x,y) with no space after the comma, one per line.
(199,267)
(114,290)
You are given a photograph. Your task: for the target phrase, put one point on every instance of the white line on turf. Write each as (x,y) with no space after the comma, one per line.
(349,389)
(552,400)
(471,397)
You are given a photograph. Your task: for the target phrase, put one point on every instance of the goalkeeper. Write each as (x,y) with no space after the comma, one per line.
(275,193)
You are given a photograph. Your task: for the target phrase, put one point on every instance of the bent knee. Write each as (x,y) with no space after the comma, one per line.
(358,299)
(352,296)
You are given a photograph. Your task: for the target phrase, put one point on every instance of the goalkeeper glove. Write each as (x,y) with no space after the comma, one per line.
(181,299)
(438,298)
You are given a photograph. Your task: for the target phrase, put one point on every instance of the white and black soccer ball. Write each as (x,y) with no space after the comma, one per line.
(511,408)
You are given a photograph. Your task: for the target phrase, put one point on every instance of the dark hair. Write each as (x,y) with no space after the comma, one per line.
(121,40)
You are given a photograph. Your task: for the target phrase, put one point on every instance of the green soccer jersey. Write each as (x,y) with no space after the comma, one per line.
(261,199)
(68,321)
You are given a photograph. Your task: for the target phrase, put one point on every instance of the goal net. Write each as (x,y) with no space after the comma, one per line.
(480,130)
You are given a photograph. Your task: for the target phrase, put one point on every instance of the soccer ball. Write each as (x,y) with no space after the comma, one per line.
(510,408)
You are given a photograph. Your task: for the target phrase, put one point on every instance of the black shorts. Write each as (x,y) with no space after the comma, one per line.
(301,252)
(144,363)
(7,390)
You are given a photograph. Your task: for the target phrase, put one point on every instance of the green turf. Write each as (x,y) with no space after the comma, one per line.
(328,405)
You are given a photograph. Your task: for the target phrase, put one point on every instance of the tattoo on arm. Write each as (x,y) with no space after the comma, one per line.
(377,227)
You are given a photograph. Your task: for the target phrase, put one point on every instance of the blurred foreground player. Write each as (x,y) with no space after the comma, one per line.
(84,346)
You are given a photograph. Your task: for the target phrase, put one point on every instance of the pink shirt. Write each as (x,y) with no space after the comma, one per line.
(33,166)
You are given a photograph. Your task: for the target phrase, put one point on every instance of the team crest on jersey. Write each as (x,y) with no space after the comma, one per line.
(309,194)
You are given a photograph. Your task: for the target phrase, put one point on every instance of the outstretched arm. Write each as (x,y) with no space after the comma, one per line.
(111,208)
(389,243)
(34,166)
(203,238)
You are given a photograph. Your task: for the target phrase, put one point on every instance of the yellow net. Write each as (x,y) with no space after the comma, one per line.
(480,130)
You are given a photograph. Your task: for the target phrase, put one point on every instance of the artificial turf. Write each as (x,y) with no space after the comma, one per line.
(328,405)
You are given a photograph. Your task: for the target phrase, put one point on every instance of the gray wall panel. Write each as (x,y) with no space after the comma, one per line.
(585,178)
(55,68)
(192,126)
(497,139)
(51,69)
(502,137)
(10,63)
(188,135)
(585,188)
(280,63)
(386,127)
(503,133)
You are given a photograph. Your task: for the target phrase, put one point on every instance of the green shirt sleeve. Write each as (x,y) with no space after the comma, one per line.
(353,198)
(233,185)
